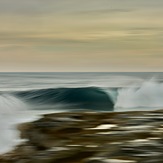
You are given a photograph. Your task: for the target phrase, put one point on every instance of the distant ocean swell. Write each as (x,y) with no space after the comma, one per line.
(148,95)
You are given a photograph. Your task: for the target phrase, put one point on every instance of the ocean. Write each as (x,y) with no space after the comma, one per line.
(25,96)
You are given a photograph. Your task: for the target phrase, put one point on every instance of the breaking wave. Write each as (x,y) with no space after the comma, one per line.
(84,97)
(148,94)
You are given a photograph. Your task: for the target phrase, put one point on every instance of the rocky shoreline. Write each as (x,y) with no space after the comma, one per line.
(91,137)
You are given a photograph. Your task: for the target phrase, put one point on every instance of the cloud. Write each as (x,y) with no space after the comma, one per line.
(39,7)
(27,39)
(104,11)
(24,7)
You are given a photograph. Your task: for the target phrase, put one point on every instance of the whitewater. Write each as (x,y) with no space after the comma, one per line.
(25,96)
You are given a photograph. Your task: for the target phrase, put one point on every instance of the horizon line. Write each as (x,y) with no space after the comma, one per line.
(81,71)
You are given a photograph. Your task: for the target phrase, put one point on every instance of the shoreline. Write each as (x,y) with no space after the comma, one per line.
(90,137)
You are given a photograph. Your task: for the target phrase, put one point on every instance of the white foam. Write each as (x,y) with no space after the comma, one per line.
(9,108)
(119,161)
(149,95)
(103,127)
(13,111)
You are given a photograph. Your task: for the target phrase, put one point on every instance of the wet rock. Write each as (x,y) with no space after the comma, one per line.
(91,137)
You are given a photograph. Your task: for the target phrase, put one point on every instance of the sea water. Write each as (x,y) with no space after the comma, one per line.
(127,91)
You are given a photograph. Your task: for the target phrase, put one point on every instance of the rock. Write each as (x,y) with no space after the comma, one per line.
(90,137)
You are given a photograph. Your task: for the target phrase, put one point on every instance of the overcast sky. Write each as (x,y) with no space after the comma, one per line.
(81,35)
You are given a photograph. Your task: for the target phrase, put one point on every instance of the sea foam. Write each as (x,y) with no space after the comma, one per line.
(149,94)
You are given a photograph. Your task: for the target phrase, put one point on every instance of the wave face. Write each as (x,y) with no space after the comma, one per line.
(147,95)
(84,98)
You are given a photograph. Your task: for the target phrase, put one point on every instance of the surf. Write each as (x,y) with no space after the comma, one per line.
(10,107)
(17,106)
(81,97)
(149,95)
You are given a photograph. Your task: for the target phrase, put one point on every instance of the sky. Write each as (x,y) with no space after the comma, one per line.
(81,35)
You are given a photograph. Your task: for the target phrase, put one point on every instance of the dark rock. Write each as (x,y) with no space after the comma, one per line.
(84,137)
